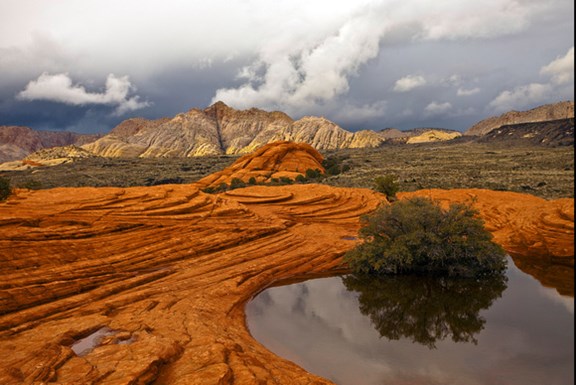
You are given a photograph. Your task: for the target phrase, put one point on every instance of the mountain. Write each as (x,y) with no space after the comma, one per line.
(220,129)
(551,133)
(16,142)
(556,111)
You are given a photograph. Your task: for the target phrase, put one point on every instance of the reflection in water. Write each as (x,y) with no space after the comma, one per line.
(551,273)
(525,337)
(426,309)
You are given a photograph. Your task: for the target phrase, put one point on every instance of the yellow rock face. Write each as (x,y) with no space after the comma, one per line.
(433,136)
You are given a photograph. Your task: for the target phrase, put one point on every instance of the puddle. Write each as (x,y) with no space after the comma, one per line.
(85,345)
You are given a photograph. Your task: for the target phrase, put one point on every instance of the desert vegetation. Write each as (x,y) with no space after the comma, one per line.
(547,172)
(4,188)
(418,236)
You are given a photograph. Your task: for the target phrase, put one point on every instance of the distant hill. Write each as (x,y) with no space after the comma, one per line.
(16,142)
(551,133)
(547,112)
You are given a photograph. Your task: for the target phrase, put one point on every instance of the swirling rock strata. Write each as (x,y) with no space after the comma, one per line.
(167,269)
(271,161)
(165,272)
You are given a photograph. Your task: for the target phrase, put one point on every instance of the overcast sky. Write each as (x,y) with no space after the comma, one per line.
(87,65)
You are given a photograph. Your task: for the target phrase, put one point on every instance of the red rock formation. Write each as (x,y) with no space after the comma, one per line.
(274,160)
(168,269)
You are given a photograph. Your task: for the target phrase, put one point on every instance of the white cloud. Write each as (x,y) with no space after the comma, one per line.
(467,92)
(303,73)
(59,88)
(300,70)
(561,70)
(408,83)
(561,85)
(436,108)
(522,96)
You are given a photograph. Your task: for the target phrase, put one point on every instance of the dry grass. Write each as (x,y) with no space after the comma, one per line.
(542,171)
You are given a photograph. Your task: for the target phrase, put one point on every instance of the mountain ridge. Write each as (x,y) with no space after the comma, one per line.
(223,130)
(546,112)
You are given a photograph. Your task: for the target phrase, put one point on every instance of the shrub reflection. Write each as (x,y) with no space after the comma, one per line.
(426,309)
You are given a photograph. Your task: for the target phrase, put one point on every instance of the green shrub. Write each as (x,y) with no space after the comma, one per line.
(387,185)
(5,189)
(313,173)
(417,236)
(286,180)
(237,183)
(252,181)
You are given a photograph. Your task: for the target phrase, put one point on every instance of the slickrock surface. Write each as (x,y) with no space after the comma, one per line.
(271,161)
(164,273)
(168,269)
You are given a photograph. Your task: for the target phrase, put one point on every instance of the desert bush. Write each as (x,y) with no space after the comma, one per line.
(5,189)
(418,236)
(237,183)
(313,173)
(387,185)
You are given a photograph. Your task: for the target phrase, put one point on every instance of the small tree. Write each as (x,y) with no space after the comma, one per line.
(5,189)
(387,185)
(417,236)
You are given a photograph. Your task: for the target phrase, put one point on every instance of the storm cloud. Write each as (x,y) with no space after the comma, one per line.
(363,64)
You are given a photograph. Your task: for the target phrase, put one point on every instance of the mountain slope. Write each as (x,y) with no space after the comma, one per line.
(220,129)
(16,142)
(562,110)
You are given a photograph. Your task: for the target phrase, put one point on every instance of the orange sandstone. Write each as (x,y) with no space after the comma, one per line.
(168,270)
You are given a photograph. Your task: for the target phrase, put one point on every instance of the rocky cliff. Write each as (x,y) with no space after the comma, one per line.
(562,110)
(16,142)
(162,273)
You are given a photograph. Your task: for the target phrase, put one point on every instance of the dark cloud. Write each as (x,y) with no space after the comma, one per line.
(368,64)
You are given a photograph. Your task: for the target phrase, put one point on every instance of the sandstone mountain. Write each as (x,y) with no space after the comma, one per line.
(561,110)
(16,142)
(220,129)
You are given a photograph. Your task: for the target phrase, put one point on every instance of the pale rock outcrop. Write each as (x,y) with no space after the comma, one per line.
(433,136)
